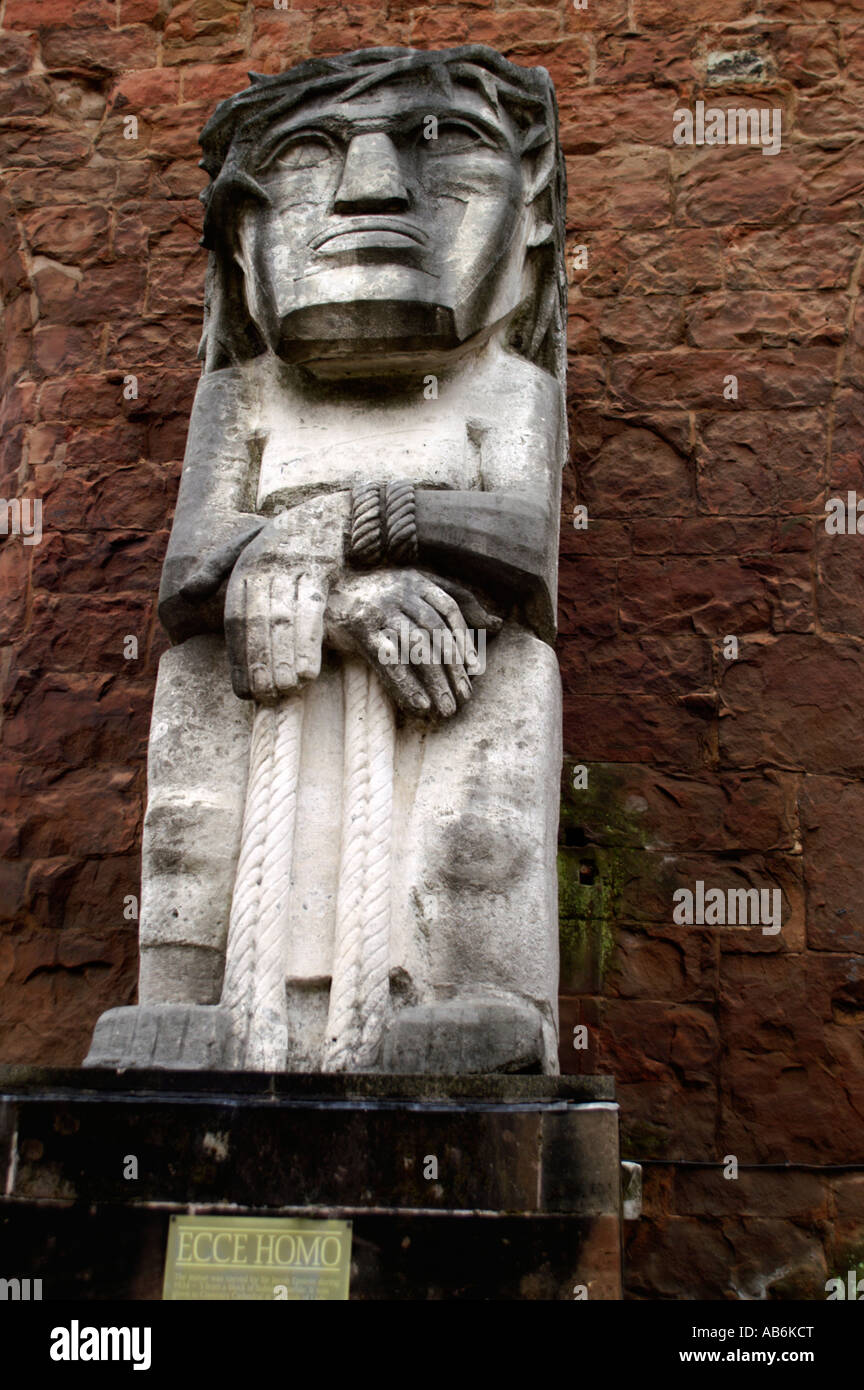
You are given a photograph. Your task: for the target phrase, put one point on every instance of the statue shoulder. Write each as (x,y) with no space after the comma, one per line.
(509,383)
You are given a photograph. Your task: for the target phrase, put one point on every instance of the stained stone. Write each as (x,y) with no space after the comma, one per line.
(349,846)
(525,1202)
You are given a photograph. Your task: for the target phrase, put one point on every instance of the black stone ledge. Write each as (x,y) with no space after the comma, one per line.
(516,1145)
(117,1254)
(465,1091)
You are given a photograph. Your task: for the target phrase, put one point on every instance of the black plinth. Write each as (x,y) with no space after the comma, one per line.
(526,1203)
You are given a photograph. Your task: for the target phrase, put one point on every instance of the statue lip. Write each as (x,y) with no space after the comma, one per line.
(350,226)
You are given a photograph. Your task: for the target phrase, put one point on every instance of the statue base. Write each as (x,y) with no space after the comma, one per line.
(456,1036)
(188,1037)
(483,1187)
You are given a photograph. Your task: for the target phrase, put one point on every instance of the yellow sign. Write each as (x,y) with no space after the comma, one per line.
(257,1257)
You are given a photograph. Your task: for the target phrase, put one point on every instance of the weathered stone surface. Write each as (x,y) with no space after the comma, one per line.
(751,1259)
(675,966)
(272,878)
(714,596)
(273,1133)
(771,692)
(629,322)
(819,257)
(712,535)
(694,380)
(766,1194)
(728,240)
(542,1155)
(55,983)
(832,817)
(809,53)
(650,880)
(630,471)
(674,261)
(628,190)
(846,469)
(84,51)
(684,1257)
(677,662)
(478,1036)
(68,719)
(758,318)
(792,1088)
(647,728)
(645,58)
(841,580)
(754,462)
(568,62)
(619,117)
(190,1037)
(715,187)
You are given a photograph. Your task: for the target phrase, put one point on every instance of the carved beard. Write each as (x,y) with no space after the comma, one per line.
(372,315)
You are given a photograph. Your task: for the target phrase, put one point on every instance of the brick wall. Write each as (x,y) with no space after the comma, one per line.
(705,523)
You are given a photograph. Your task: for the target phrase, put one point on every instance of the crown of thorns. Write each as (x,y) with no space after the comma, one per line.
(235,139)
(232,139)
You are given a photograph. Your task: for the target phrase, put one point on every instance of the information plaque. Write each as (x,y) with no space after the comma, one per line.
(257,1257)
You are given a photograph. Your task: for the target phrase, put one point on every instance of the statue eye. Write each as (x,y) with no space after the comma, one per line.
(456,137)
(304,152)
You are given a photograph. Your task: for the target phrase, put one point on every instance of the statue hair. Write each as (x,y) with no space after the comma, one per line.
(236,138)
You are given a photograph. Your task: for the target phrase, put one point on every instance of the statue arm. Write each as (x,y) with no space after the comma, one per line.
(214,519)
(499,540)
(502,536)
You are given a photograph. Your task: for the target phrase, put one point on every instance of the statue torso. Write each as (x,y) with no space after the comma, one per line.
(312,439)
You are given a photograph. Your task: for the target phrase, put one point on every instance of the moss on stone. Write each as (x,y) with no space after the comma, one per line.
(600,851)
(642,1141)
(851,1257)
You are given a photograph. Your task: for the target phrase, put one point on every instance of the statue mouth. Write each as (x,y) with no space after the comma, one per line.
(357,233)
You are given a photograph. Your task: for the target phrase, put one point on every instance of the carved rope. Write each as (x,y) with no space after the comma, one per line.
(255,963)
(383,524)
(366,545)
(359,990)
(400,524)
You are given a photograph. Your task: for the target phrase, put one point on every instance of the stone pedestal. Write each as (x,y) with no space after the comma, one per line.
(526,1203)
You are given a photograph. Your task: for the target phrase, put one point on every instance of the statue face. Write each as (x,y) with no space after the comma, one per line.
(395,226)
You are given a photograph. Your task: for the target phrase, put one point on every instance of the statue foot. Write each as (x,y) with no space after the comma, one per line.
(459,1036)
(181,1037)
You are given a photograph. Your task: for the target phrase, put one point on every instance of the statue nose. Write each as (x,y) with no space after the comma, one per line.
(371,177)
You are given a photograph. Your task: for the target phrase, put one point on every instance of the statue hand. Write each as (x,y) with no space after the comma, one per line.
(369,614)
(275,600)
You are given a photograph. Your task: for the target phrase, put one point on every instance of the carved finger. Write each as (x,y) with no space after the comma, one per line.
(399,679)
(437,686)
(283,631)
(446,605)
(424,614)
(430,673)
(450,641)
(258,652)
(311,602)
(235,637)
(470,606)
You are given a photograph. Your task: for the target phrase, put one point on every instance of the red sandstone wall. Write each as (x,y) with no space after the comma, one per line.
(705,521)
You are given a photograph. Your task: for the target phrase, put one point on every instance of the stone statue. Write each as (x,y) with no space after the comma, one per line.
(349,848)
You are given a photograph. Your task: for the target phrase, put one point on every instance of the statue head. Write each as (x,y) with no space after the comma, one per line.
(391,205)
